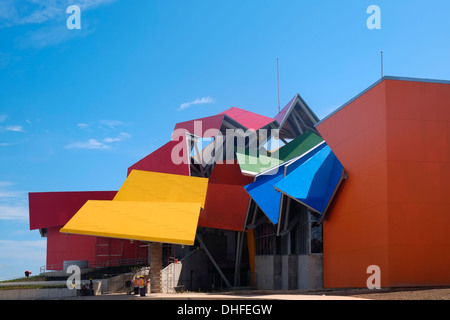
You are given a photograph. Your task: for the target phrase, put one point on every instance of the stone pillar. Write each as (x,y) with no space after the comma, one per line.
(155,266)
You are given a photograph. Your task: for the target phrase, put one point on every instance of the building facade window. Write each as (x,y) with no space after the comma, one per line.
(299,234)
(265,239)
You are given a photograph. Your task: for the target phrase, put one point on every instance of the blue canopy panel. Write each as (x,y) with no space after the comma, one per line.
(265,196)
(262,190)
(314,182)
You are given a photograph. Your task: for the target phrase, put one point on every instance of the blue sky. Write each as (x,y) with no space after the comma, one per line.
(78,107)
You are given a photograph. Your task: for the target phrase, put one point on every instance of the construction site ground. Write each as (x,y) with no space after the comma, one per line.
(344,294)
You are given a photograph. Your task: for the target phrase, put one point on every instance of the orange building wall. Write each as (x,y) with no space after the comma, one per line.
(394,209)
(418,150)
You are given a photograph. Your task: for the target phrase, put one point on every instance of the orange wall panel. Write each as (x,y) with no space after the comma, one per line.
(415,100)
(356,229)
(393,211)
(418,152)
(418,182)
(415,140)
(419,224)
(355,117)
(419,265)
(360,191)
(341,271)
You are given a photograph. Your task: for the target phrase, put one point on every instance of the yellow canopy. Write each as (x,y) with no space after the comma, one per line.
(150,206)
(155,186)
(168,222)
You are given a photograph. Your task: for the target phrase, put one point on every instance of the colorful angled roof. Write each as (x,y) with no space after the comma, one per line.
(299,146)
(253,162)
(280,117)
(171,199)
(160,161)
(150,206)
(52,209)
(225,208)
(263,191)
(168,222)
(202,127)
(156,186)
(249,120)
(296,118)
(314,182)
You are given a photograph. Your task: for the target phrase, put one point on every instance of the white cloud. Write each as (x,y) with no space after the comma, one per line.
(10,194)
(108,128)
(15,128)
(5,184)
(20,255)
(99,145)
(19,12)
(40,244)
(122,136)
(5,144)
(50,35)
(49,16)
(13,204)
(112,124)
(202,100)
(101,124)
(17,213)
(110,140)
(90,144)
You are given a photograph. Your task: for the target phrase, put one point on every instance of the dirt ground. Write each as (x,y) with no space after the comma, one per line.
(397,294)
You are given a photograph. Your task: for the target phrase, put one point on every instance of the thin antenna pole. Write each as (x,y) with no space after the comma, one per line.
(382,64)
(278,84)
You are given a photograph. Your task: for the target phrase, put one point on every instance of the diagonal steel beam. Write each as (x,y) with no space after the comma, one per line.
(202,246)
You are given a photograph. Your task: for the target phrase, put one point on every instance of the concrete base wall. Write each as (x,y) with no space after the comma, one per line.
(193,273)
(46,293)
(37,294)
(289,272)
(170,277)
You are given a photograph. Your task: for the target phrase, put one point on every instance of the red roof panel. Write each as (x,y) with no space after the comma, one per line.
(248,119)
(229,173)
(203,127)
(225,208)
(161,161)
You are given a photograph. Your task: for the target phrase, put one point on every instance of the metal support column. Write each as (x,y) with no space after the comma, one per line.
(237,268)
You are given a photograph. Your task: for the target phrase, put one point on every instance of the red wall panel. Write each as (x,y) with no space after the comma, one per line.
(50,209)
(160,161)
(226,199)
(225,207)
(61,247)
(229,173)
